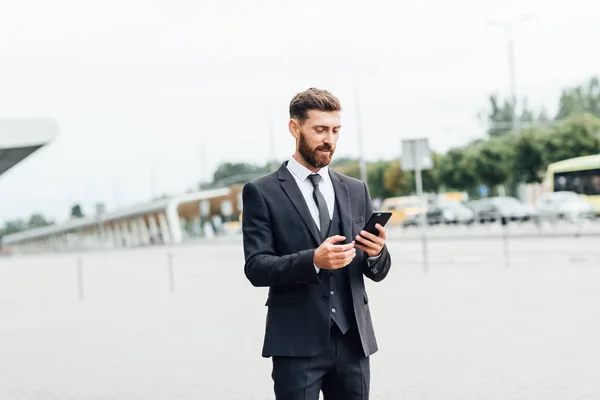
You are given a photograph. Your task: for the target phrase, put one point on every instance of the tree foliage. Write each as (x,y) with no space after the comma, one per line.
(500,116)
(76,211)
(580,99)
(385,178)
(527,157)
(454,173)
(574,136)
(489,162)
(37,220)
(229,170)
(394,179)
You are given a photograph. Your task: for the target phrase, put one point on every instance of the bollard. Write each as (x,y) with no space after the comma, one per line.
(80,277)
(171,275)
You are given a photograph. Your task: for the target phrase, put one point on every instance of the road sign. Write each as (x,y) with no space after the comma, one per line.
(483,191)
(100,209)
(416,155)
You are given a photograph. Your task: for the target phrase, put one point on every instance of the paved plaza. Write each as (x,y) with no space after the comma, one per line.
(487,320)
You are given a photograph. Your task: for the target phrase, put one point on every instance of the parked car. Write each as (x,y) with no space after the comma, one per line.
(483,211)
(501,208)
(566,206)
(405,210)
(449,212)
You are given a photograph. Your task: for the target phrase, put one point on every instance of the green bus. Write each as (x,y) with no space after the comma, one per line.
(580,175)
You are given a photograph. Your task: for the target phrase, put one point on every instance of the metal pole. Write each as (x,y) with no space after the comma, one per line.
(423,217)
(152,180)
(273,162)
(505,243)
(512,77)
(203,171)
(80,278)
(362,163)
(171,274)
(508,27)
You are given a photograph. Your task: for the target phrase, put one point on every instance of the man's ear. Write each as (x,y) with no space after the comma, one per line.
(294,128)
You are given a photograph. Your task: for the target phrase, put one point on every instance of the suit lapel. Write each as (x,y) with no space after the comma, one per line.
(293,192)
(343,202)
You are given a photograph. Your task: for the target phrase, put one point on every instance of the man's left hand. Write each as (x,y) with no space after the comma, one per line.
(369,243)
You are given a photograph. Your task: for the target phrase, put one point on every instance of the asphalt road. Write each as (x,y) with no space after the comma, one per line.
(471,327)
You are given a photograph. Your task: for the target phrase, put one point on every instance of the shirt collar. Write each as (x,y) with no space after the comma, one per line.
(302,172)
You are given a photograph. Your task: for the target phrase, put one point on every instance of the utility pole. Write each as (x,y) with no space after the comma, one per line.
(362,162)
(512,77)
(153,180)
(202,163)
(273,162)
(116,192)
(509,27)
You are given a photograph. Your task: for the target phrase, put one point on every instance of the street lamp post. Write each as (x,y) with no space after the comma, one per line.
(273,160)
(509,27)
(362,163)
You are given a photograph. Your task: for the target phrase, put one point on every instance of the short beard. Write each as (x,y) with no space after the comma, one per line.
(310,155)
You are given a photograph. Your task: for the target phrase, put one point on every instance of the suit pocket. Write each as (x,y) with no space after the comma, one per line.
(283,298)
(366,298)
(358,220)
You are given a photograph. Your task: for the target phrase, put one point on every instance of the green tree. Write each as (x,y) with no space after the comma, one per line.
(341,161)
(489,162)
(76,211)
(376,179)
(394,180)
(574,136)
(543,118)
(453,171)
(14,226)
(347,167)
(500,116)
(245,171)
(37,221)
(580,99)
(527,161)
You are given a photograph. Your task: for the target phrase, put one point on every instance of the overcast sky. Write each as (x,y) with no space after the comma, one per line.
(140,83)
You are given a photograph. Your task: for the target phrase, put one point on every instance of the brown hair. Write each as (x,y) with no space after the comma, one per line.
(313,99)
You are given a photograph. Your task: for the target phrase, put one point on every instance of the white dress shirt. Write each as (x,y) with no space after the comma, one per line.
(300,174)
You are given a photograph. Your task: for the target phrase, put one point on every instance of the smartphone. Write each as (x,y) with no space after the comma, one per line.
(378,217)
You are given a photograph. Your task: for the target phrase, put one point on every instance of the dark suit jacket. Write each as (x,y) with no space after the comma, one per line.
(280,238)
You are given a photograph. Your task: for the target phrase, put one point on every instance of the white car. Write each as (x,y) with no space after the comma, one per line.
(566,206)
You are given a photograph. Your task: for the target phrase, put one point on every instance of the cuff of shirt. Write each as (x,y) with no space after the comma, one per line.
(371,260)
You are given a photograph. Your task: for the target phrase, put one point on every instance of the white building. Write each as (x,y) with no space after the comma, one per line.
(157,222)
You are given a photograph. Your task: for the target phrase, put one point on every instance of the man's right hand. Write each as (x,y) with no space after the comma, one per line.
(331,256)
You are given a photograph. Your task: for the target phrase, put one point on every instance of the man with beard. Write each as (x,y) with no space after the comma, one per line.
(303,239)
